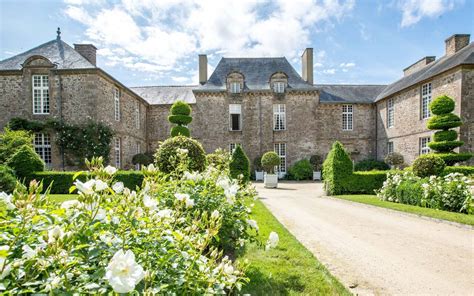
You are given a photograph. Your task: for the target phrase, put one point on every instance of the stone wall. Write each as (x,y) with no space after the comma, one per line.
(467,111)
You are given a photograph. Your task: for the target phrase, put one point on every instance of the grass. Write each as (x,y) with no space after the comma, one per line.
(62,197)
(289,269)
(433,213)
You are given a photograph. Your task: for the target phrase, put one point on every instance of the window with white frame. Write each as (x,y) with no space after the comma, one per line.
(232,147)
(137,115)
(279,117)
(42,144)
(118,154)
(279,87)
(390,147)
(347,117)
(235,117)
(425,100)
(137,151)
(117,104)
(424,149)
(280,150)
(390,113)
(235,87)
(40,92)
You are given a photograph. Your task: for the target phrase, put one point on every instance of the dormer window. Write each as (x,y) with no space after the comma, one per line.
(235,82)
(235,87)
(278,82)
(279,87)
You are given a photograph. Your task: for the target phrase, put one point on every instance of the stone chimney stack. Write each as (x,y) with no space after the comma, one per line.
(202,69)
(307,65)
(418,65)
(88,51)
(456,42)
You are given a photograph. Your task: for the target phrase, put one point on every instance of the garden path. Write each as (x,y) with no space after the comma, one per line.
(376,251)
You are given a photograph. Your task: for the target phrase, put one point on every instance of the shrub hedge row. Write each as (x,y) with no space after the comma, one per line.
(363,182)
(465,170)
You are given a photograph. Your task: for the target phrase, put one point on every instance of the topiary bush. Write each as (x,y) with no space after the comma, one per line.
(220,159)
(142,159)
(25,161)
(301,170)
(180,115)
(337,167)
(269,161)
(7,179)
(363,182)
(428,165)
(394,159)
(442,105)
(371,164)
(11,141)
(240,164)
(410,192)
(316,161)
(166,157)
(449,135)
(465,170)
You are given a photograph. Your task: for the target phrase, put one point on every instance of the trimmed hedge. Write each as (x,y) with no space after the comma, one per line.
(371,164)
(337,168)
(180,119)
(453,158)
(62,181)
(240,164)
(445,146)
(444,121)
(449,135)
(363,182)
(442,105)
(180,130)
(465,170)
(301,170)
(180,108)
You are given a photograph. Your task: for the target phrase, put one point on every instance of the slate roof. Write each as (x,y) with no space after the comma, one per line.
(341,93)
(162,95)
(257,73)
(464,56)
(57,51)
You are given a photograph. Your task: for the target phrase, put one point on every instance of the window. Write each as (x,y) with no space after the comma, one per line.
(389,147)
(425,100)
(347,117)
(43,147)
(390,113)
(137,151)
(118,158)
(279,117)
(40,94)
(279,87)
(280,149)
(232,147)
(235,87)
(424,149)
(137,115)
(235,113)
(117,104)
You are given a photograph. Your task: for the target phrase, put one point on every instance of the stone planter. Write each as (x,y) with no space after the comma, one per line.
(258,176)
(270,180)
(317,176)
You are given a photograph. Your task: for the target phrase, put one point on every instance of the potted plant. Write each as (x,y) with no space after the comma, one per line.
(269,161)
(257,164)
(316,161)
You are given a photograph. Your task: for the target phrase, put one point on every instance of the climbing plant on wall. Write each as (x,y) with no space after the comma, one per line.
(180,116)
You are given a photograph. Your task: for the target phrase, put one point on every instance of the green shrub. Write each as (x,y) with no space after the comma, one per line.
(301,170)
(142,159)
(371,164)
(316,161)
(180,115)
(442,105)
(25,161)
(240,164)
(220,159)
(166,157)
(452,158)
(180,130)
(181,108)
(363,182)
(449,135)
(337,167)
(444,121)
(410,192)
(180,119)
(445,146)
(428,165)
(130,179)
(269,161)
(395,159)
(465,170)
(7,179)
(18,123)
(257,164)
(11,141)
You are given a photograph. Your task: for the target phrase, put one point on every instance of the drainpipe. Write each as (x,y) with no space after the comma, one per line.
(376,132)
(259,126)
(61,115)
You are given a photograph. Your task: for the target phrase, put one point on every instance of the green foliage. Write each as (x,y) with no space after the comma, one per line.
(371,164)
(180,108)
(465,170)
(269,161)
(452,158)
(444,122)
(180,130)
(180,119)
(142,158)
(25,161)
(167,160)
(257,163)
(363,182)
(7,179)
(11,141)
(410,192)
(316,161)
(240,164)
(301,170)
(428,165)
(220,159)
(180,115)
(445,146)
(395,159)
(449,135)
(18,123)
(337,167)
(442,105)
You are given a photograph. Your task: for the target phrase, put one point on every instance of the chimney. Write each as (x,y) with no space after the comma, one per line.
(88,51)
(307,65)
(202,69)
(456,42)
(418,65)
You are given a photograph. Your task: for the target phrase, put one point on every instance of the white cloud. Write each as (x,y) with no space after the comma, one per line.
(414,10)
(347,65)
(331,71)
(318,65)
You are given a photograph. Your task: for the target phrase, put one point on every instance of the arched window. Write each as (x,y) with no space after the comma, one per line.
(279,82)
(235,82)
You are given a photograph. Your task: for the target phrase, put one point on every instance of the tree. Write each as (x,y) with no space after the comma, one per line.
(445,139)
(11,141)
(240,164)
(180,115)
(269,161)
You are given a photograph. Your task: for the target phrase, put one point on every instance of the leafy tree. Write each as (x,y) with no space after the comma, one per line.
(269,161)
(240,164)
(11,141)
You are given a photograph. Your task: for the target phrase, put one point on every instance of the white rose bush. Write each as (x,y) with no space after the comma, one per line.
(168,237)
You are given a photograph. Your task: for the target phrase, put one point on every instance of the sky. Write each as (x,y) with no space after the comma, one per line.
(157,42)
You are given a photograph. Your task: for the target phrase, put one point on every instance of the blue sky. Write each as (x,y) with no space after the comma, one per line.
(151,42)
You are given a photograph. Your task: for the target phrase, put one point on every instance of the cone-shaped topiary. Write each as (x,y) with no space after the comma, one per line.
(444,141)
(240,164)
(337,167)
(180,115)
(25,162)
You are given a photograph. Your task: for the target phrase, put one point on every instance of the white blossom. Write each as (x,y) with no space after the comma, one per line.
(118,187)
(215,214)
(28,252)
(150,202)
(110,170)
(7,199)
(123,272)
(181,196)
(166,213)
(70,204)
(195,176)
(54,234)
(85,188)
(252,224)
(189,202)
(100,185)
(273,240)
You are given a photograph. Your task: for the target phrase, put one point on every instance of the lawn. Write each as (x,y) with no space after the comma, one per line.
(433,213)
(290,269)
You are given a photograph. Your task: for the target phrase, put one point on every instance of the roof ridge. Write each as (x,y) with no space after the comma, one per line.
(345,84)
(249,58)
(147,86)
(29,50)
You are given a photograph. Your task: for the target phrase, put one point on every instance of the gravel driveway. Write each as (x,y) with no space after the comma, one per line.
(375,251)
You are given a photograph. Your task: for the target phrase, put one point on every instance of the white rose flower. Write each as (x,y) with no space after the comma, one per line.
(110,170)
(7,199)
(101,215)
(151,168)
(28,252)
(54,234)
(189,202)
(181,196)
(215,214)
(100,185)
(85,188)
(118,187)
(115,220)
(273,240)
(252,224)
(166,213)
(123,272)
(70,204)
(149,202)
(6,268)
(195,176)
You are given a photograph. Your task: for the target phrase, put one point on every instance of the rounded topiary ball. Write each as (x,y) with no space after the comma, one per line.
(142,159)
(180,108)
(442,105)
(394,158)
(25,161)
(428,165)
(180,130)
(180,119)
(444,121)
(166,156)
(269,161)
(449,135)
